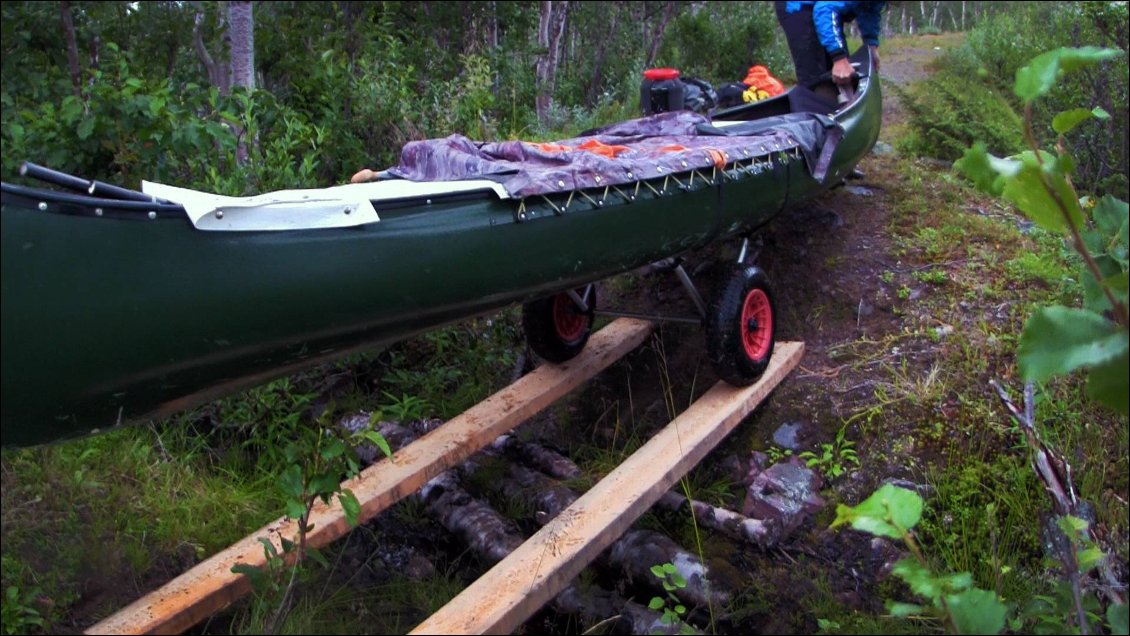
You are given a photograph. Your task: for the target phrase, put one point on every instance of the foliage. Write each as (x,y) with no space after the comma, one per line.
(1059,340)
(1000,46)
(835,457)
(18,615)
(893,512)
(673,610)
(318,459)
(720,41)
(948,113)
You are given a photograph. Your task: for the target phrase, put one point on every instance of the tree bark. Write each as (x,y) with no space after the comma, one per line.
(598,59)
(218,74)
(657,35)
(634,553)
(241,30)
(538,456)
(492,537)
(551,26)
(727,522)
(72,47)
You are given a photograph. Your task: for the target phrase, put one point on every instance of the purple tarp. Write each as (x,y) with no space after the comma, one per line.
(526,168)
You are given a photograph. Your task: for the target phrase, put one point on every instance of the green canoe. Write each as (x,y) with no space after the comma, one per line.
(118,310)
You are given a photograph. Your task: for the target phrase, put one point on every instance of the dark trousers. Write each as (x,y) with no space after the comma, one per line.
(809,57)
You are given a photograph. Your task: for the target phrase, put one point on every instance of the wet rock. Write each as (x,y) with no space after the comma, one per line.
(784,496)
(786,435)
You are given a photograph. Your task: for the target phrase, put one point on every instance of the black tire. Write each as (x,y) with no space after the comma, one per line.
(741,327)
(556,328)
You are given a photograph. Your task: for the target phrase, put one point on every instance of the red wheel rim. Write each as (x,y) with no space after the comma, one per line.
(568,319)
(757,325)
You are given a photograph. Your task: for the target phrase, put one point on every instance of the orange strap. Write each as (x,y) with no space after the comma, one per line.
(603,149)
(549,147)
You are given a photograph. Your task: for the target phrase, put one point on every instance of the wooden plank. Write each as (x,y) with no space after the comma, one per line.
(518,586)
(210,586)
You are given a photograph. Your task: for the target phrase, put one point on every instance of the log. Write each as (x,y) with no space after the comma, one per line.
(211,586)
(728,522)
(512,591)
(538,456)
(633,554)
(491,536)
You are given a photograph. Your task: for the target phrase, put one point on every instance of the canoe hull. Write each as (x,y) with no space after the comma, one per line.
(108,321)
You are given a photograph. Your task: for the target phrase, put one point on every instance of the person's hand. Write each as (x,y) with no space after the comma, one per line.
(875,58)
(842,71)
(365,175)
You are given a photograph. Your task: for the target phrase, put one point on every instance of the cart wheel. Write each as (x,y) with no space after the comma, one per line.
(556,328)
(741,328)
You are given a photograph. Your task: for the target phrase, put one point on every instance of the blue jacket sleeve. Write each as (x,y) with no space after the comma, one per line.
(829,18)
(869,20)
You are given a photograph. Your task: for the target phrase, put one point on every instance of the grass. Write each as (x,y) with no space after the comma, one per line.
(132,503)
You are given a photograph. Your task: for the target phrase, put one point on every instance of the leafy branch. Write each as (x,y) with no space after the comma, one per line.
(1059,340)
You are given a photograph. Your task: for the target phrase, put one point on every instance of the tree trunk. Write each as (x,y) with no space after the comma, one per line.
(551,25)
(72,47)
(598,59)
(218,74)
(657,35)
(241,30)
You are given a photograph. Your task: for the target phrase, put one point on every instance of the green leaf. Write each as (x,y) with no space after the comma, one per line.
(1067,120)
(290,482)
(889,512)
(258,578)
(979,167)
(333,448)
(1111,217)
(1107,383)
(977,611)
(1041,74)
(1058,340)
(1028,189)
(656,604)
(295,508)
(85,128)
(350,506)
(902,610)
(1119,619)
(1064,122)
(269,549)
(918,577)
(1089,558)
(325,483)
(377,440)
